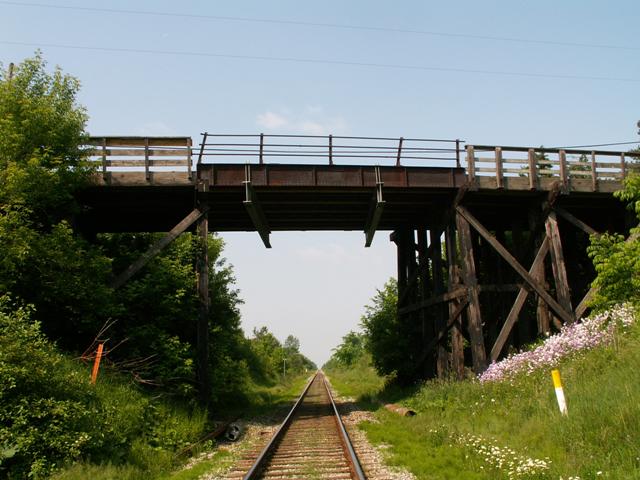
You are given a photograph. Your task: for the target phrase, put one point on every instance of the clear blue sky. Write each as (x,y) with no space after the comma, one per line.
(315,285)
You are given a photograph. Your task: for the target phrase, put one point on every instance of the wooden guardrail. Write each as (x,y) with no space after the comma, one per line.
(135,160)
(522,168)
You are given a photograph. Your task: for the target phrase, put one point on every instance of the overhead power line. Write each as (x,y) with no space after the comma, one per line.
(601,145)
(323,25)
(320,61)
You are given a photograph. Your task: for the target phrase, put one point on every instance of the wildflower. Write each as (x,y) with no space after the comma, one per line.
(589,333)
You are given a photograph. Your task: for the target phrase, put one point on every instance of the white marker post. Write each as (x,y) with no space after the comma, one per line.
(562,403)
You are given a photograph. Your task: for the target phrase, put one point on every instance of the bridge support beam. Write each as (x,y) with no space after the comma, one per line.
(254,208)
(202,330)
(470,279)
(455,306)
(375,211)
(158,246)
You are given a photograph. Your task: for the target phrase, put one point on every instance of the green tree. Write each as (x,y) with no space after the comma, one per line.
(616,260)
(41,166)
(350,349)
(292,344)
(390,341)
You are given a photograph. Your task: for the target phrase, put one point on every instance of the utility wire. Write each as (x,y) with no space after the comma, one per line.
(600,145)
(323,25)
(320,61)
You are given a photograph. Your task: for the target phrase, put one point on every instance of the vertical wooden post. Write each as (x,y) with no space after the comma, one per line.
(438,289)
(557,262)
(457,341)
(594,173)
(426,319)
(202,272)
(623,167)
(470,279)
(543,315)
(423,265)
(189,153)
(400,241)
(147,173)
(471,165)
(499,176)
(564,174)
(533,169)
(105,176)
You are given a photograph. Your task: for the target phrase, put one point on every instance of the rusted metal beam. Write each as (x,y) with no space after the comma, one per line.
(158,246)
(254,209)
(375,211)
(504,253)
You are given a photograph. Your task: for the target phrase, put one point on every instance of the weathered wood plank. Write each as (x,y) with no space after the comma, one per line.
(139,152)
(139,141)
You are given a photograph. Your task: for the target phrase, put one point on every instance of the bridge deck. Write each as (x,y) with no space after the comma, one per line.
(148,184)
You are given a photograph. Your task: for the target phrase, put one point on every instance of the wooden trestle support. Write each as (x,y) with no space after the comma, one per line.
(465,293)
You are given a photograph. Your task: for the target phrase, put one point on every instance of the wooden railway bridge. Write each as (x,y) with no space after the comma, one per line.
(491,240)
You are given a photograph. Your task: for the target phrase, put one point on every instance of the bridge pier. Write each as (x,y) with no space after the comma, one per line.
(480,275)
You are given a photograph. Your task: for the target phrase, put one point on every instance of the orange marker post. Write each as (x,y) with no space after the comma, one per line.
(96,363)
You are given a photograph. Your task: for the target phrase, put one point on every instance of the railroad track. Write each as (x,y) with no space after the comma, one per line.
(311,442)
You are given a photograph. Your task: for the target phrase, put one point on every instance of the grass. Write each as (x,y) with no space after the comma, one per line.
(155,458)
(600,434)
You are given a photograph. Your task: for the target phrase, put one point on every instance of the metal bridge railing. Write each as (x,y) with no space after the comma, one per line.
(329,149)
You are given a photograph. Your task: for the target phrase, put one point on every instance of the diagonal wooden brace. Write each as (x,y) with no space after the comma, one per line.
(566,316)
(518,304)
(158,247)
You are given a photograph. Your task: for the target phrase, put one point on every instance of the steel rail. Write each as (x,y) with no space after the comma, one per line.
(350,454)
(258,464)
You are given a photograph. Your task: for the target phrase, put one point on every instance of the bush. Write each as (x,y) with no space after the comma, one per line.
(50,415)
